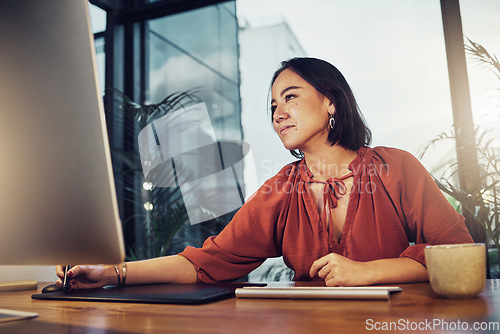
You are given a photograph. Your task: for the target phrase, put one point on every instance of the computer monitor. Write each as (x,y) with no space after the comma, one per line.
(57,194)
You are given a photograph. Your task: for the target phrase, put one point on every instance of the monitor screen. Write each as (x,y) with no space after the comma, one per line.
(57,194)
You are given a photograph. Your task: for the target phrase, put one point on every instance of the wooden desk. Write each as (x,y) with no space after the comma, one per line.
(415,306)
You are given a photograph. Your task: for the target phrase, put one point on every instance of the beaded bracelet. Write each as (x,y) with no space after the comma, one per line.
(118,275)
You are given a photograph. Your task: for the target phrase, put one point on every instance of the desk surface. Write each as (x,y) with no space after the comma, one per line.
(417,310)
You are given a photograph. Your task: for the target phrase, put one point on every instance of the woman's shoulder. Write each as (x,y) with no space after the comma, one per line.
(383,158)
(287,174)
(287,170)
(275,185)
(392,152)
(388,155)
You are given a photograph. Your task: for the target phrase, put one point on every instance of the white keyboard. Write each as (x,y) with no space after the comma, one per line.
(362,292)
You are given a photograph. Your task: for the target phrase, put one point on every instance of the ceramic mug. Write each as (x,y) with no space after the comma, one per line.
(456,271)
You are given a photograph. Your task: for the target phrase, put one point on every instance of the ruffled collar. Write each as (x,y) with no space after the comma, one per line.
(355,166)
(334,188)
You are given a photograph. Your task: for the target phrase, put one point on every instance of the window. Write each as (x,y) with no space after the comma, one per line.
(152,57)
(197,49)
(98,25)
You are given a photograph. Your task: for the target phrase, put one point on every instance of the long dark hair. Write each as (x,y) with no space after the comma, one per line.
(350,130)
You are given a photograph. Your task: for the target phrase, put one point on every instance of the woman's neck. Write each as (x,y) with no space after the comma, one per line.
(329,162)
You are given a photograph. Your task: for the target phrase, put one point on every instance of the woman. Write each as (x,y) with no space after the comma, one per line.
(344,213)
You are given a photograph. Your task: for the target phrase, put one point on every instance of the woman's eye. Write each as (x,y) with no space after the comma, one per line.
(289,97)
(273,109)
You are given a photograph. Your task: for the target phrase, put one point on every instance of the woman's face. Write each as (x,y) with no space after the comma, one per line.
(300,112)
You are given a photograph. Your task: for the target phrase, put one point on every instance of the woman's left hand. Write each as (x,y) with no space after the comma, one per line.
(337,270)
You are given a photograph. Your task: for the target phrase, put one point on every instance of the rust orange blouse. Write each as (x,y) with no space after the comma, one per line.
(395,209)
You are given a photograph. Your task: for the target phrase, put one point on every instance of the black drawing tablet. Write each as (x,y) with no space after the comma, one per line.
(152,293)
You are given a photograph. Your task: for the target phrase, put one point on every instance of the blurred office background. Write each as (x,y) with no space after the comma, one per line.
(392,52)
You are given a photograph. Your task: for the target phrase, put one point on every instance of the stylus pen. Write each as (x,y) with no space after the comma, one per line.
(66,279)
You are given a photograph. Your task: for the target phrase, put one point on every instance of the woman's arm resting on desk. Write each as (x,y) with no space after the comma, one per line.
(168,269)
(337,270)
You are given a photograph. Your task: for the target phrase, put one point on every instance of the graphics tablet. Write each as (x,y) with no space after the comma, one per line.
(153,293)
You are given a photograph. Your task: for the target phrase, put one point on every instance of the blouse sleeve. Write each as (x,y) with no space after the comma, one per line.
(426,214)
(252,236)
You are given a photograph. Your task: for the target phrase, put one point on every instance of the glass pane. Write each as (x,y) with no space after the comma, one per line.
(172,71)
(97,18)
(481,25)
(198,50)
(228,41)
(230,7)
(195,32)
(101,60)
(208,35)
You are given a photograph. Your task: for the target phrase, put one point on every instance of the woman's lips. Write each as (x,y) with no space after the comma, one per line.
(285,129)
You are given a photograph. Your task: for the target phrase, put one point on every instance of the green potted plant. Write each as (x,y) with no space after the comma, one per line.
(484,206)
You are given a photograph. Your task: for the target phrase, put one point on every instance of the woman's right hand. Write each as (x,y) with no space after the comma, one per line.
(88,276)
